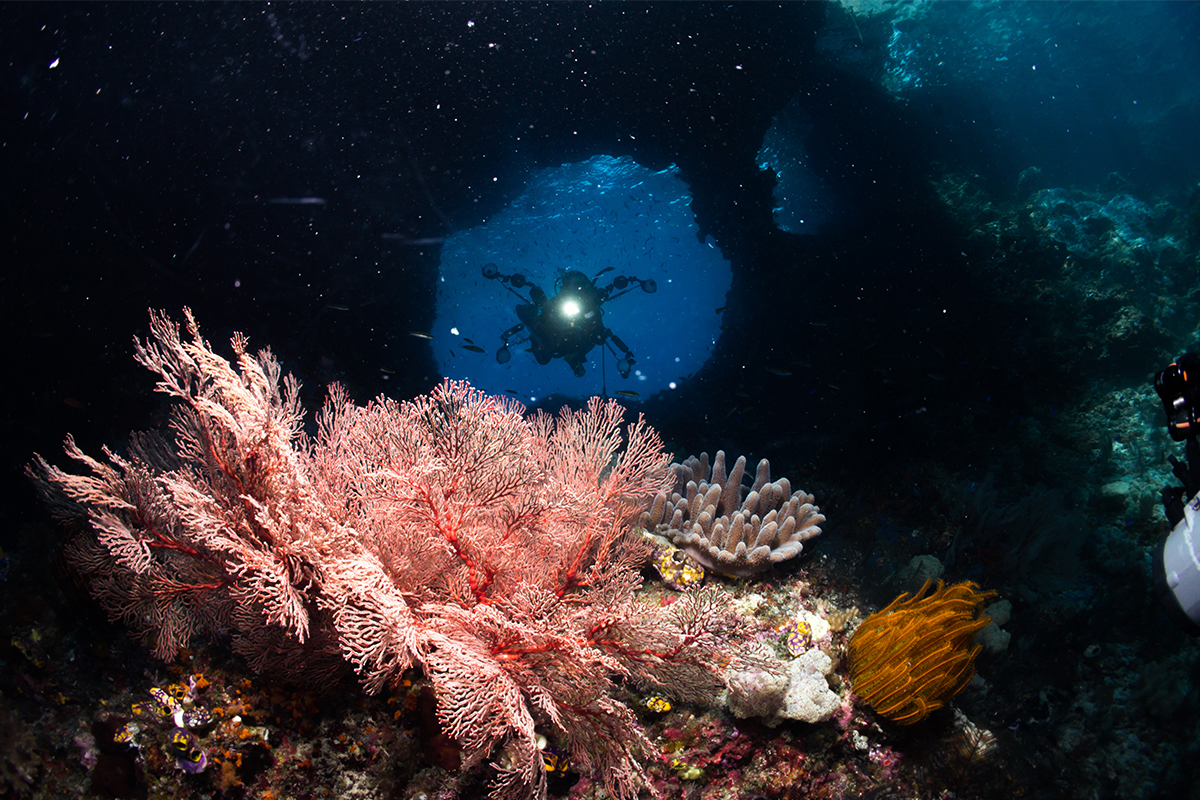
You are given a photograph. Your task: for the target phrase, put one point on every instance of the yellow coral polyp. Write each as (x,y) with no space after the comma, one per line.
(910,658)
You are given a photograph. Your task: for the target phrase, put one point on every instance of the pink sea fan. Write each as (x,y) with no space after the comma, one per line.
(451,533)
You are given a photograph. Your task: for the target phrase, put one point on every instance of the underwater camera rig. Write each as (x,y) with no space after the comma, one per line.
(569,324)
(1177,560)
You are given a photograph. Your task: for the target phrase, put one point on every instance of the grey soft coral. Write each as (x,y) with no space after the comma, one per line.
(723,528)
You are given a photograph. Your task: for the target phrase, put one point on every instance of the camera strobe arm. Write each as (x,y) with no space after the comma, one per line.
(1186,472)
(624,285)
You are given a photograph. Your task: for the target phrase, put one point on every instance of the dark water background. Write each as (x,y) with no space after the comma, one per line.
(1007,253)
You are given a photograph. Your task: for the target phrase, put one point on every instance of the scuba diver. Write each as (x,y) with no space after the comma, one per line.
(1177,560)
(570,324)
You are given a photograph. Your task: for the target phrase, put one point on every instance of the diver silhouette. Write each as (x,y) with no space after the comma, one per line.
(570,324)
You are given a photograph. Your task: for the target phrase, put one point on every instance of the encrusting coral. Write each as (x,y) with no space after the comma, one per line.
(705,515)
(910,658)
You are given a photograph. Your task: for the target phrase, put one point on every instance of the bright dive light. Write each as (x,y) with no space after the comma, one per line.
(569,308)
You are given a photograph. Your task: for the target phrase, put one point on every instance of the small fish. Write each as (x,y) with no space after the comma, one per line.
(627,393)
(335,307)
(474,348)
(511,391)
(467,340)
(421,334)
(297,201)
(777,371)
(721,310)
(387,371)
(402,239)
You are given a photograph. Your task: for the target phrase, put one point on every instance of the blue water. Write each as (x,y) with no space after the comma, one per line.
(608,217)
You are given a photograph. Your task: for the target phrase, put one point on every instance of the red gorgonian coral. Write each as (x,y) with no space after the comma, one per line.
(451,533)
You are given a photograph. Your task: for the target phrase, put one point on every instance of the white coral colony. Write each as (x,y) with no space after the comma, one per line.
(706,516)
